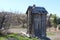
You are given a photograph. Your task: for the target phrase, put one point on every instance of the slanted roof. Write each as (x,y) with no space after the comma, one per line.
(40,10)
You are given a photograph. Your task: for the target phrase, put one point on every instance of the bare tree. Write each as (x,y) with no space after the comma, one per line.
(23,18)
(55,22)
(4,23)
(49,22)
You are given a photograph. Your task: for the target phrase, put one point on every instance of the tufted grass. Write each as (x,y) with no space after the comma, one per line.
(18,37)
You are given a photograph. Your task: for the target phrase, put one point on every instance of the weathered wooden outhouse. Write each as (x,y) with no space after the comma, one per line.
(36,21)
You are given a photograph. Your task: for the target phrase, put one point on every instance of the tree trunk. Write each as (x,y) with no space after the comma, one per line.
(23,25)
(49,29)
(55,29)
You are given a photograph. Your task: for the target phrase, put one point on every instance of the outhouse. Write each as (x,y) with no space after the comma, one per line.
(36,21)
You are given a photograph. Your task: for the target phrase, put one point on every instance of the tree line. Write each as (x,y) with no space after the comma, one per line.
(9,19)
(53,21)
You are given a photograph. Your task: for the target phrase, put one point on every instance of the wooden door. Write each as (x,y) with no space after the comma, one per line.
(36,23)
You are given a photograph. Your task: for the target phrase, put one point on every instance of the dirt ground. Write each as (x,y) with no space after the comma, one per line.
(56,35)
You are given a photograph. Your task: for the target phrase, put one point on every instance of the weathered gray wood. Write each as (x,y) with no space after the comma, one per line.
(37,22)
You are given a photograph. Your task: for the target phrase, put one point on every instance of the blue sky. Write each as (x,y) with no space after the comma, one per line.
(52,6)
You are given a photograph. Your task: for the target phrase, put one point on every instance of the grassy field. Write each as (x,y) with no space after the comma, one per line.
(20,37)
(16,36)
(53,35)
(50,34)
